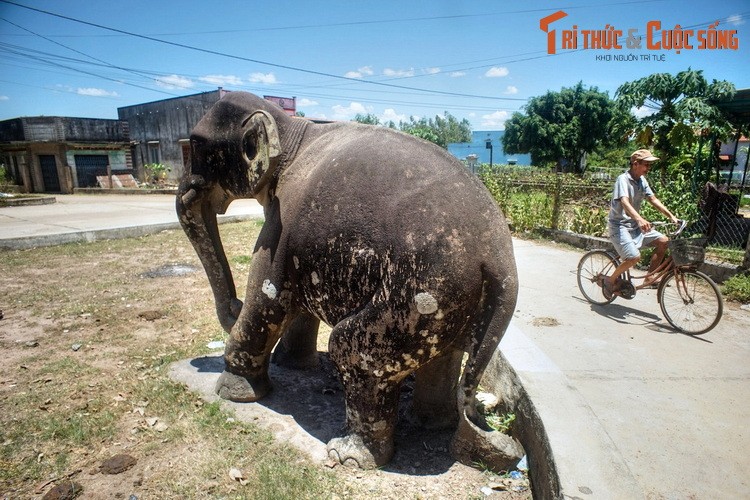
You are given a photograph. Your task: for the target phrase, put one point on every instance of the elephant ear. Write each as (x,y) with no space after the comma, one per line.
(261,148)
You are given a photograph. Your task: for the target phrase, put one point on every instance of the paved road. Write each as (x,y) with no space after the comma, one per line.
(632,409)
(89,217)
(674,408)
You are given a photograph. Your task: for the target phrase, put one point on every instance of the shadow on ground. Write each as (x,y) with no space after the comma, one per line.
(306,407)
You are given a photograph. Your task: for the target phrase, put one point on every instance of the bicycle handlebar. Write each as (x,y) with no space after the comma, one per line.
(681,223)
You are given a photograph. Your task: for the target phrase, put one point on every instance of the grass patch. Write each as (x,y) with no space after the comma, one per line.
(66,409)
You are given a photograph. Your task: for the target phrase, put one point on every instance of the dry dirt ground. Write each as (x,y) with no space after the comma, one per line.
(88,333)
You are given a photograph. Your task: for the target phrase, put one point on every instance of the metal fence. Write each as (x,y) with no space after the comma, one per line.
(533,199)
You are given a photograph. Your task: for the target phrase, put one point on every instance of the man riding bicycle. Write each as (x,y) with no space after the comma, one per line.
(628,231)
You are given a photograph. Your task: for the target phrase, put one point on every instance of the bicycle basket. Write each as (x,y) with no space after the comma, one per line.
(688,251)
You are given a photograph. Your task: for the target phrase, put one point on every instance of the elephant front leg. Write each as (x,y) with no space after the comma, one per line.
(298,348)
(248,349)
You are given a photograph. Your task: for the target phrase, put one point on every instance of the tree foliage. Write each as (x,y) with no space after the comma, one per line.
(562,127)
(368,119)
(441,130)
(683,108)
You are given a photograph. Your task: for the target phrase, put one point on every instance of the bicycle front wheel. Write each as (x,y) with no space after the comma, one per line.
(592,268)
(690,301)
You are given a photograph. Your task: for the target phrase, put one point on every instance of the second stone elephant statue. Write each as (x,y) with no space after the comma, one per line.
(383,236)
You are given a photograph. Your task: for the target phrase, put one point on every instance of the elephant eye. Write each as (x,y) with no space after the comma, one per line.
(251,150)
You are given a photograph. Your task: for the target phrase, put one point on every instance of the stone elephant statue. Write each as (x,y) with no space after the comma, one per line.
(385,237)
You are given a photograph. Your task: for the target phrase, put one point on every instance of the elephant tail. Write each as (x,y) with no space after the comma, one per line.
(494,312)
(472,442)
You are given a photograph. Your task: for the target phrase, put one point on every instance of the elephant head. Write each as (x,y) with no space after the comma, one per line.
(235,150)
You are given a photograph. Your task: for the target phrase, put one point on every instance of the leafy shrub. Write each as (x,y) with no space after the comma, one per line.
(156,172)
(738,288)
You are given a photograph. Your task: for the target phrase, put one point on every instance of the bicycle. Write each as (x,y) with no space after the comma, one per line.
(690,300)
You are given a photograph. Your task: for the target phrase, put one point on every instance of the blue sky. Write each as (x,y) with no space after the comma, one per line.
(478,60)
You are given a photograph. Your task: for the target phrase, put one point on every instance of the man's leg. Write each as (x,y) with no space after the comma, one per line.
(622,268)
(626,244)
(660,249)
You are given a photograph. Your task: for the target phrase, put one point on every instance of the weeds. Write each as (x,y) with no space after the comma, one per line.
(737,288)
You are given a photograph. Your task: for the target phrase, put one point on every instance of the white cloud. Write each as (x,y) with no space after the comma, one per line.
(90,91)
(457,74)
(172,82)
(4,98)
(360,73)
(431,71)
(495,120)
(642,112)
(391,115)
(349,112)
(510,90)
(735,20)
(398,73)
(497,72)
(264,78)
(306,102)
(221,80)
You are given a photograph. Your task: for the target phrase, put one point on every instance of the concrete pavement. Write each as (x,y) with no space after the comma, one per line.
(631,408)
(667,410)
(88,217)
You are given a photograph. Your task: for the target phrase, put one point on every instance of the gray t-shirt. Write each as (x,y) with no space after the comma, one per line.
(636,190)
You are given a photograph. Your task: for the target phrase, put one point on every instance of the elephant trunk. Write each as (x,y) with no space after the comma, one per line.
(197,207)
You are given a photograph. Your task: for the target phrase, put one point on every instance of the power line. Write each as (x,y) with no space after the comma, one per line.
(385,21)
(256,61)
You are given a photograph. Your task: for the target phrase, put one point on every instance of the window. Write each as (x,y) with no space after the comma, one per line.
(153,152)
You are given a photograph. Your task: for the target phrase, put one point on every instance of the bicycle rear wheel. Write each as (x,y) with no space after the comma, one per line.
(592,268)
(690,301)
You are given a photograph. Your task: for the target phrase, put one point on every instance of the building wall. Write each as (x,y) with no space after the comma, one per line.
(161,128)
(741,159)
(41,151)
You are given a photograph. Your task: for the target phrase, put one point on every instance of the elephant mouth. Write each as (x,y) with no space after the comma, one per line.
(198,203)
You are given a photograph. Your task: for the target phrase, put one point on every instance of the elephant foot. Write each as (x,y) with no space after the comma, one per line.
(352,451)
(495,450)
(242,389)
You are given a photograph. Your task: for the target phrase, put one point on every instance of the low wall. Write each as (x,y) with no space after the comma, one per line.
(718,271)
(501,380)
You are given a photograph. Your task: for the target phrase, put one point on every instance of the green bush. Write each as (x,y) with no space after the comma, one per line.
(737,288)
(156,172)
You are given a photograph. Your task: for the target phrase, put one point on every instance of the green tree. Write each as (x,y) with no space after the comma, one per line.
(560,128)
(441,130)
(683,109)
(368,119)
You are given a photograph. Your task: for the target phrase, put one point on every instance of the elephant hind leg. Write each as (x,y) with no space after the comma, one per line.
(434,401)
(371,373)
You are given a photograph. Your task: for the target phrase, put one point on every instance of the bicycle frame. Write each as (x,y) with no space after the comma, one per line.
(662,271)
(690,301)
